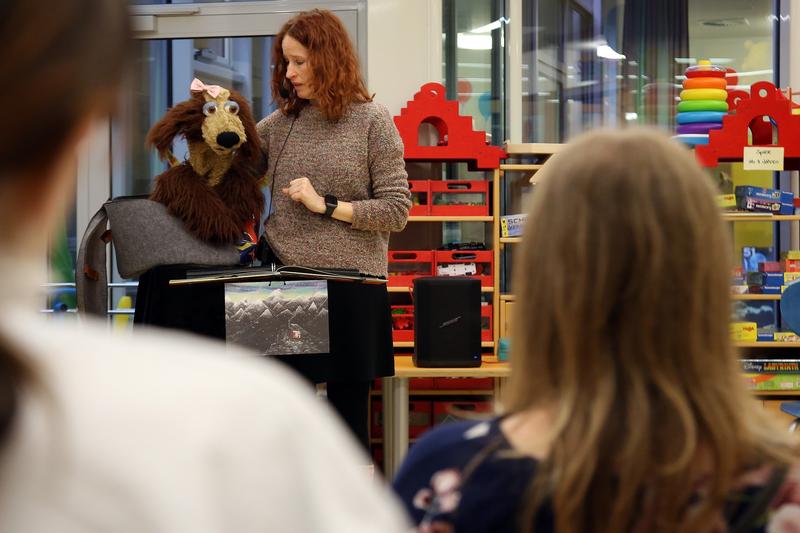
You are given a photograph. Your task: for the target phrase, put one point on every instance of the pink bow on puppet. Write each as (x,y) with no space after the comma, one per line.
(199,86)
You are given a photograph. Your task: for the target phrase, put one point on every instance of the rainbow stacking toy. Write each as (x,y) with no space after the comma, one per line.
(704,101)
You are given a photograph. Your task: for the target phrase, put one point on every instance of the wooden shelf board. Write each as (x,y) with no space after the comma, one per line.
(449,219)
(510,240)
(790,392)
(410,344)
(757,217)
(532,148)
(408,289)
(756,296)
(768,344)
(490,368)
(520,166)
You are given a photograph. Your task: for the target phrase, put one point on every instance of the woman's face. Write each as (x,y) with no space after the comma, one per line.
(298,71)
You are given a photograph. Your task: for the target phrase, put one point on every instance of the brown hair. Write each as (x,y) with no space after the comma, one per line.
(621,328)
(337,78)
(60,63)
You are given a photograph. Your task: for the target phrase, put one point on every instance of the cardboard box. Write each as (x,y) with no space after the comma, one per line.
(766,279)
(727,201)
(761,381)
(791,265)
(770,266)
(744,331)
(749,198)
(785,336)
(770,366)
(512,225)
(789,277)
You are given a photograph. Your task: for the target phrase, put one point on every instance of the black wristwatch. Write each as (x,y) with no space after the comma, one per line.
(330,204)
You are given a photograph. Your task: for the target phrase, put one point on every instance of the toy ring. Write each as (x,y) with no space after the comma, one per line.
(705,83)
(705,71)
(698,127)
(692,139)
(702,105)
(700,116)
(704,94)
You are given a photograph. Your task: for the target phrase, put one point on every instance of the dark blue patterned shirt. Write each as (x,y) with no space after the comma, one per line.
(465,476)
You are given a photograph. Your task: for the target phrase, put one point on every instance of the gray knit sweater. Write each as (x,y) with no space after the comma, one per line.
(358,159)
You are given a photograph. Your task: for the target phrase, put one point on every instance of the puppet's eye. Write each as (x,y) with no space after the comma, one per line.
(232,107)
(209,108)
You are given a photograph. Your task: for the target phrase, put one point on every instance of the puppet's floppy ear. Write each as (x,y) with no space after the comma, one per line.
(185,118)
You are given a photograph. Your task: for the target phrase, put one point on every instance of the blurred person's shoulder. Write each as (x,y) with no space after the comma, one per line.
(157,368)
(178,433)
(154,385)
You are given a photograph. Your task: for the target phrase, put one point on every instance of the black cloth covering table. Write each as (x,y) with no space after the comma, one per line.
(360,322)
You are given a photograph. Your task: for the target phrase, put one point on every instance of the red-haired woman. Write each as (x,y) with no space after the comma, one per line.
(336,163)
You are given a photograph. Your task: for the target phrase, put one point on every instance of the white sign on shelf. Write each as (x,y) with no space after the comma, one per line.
(763,158)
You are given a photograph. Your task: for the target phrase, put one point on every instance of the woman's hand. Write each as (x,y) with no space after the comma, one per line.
(301,190)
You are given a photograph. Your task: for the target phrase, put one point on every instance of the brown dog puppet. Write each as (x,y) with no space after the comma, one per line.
(217,192)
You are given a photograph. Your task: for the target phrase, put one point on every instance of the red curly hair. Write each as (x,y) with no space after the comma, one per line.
(337,78)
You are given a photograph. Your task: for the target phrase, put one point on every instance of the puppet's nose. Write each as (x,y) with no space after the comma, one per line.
(227,139)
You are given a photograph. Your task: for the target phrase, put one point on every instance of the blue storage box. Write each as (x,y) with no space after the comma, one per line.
(749,198)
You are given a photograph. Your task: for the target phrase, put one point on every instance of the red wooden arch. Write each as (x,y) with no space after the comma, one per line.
(457,140)
(728,142)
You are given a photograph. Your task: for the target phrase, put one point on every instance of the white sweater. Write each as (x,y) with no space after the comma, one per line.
(169,433)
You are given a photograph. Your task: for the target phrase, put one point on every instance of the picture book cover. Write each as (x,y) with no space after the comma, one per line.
(752,256)
(278,318)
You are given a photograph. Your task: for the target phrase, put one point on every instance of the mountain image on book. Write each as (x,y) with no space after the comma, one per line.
(279,318)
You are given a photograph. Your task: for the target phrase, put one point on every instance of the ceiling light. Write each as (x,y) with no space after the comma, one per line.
(606,52)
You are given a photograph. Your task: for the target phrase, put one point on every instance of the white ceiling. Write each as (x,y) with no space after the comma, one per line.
(726,18)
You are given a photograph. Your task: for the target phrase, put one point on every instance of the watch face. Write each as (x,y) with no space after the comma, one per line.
(331,200)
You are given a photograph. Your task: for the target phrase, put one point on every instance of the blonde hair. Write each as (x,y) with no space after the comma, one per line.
(621,327)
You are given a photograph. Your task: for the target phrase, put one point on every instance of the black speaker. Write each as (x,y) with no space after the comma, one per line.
(447,322)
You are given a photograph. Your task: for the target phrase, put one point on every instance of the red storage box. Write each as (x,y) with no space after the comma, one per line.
(770,266)
(444,412)
(413,383)
(464,383)
(377,456)
(420,418)
(471,263)
(405,265)
(403,323)
(421,383)
(486,323)
(459,198)
(420,197)
(376,419)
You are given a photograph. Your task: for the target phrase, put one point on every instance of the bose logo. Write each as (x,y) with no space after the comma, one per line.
(450,322)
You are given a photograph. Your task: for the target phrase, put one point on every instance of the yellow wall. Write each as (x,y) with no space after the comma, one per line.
(759,234)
